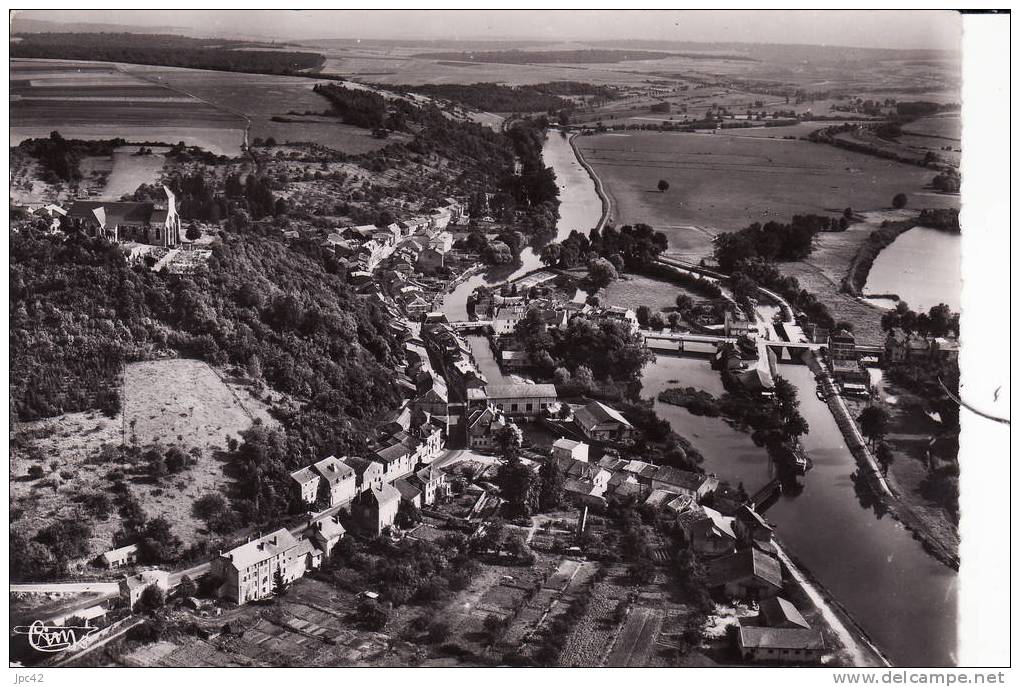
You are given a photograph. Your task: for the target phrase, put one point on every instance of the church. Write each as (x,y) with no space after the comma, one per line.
(141,222)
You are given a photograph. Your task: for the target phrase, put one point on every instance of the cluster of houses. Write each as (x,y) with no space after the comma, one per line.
(417,244)
(905,347)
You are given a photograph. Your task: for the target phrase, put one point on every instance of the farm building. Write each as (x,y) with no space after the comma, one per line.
(526,400)
(600,422)
(745,574)
(116,558)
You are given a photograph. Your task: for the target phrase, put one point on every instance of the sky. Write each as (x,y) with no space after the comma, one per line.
(871,29)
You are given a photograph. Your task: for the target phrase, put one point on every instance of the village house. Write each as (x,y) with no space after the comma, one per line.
(842,345)
(751,522)
(747,574)
(780,634)
(429,260)
(591,474)
(247,571)
(483,426)
(375,509)
(117,558)
(522,400)
(569,449)
(306,483)
(338,479)
(325,533)
(599,422)
(432,394)
(132,586)
(505,318)
(397,460)
(710,532)
(432,483)
(368,473)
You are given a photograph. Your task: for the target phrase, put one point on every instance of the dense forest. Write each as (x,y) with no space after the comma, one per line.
(78,310)
(158,49)
(493,97)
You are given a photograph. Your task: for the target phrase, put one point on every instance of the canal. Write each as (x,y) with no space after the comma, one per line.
(922,267)
(580,208)
(903,598)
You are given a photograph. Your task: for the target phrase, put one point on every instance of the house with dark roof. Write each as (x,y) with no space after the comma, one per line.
(376,508)
(397,459)
(368,473)
(710,532)
(325,533)
(747,574)
(599,422)
(483,426)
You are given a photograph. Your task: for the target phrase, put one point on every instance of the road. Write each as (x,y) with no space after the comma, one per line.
(66,588)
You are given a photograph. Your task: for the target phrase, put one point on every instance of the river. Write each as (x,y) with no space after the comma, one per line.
(580,209)
(903,598)
(922,267)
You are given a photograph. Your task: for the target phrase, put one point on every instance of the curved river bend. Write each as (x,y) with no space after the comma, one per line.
(903,598)
(580,209)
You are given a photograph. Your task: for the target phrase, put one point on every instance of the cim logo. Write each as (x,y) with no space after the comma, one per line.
(54,638)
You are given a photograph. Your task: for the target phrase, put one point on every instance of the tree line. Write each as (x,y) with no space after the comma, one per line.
(161,49)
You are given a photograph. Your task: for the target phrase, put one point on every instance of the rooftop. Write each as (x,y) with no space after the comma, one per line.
(502,391)
(261,549)
(743,564)
(780,638)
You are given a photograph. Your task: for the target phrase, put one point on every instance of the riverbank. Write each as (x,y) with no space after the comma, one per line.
(600,190)
(859,647)
(860,266)
(932,539)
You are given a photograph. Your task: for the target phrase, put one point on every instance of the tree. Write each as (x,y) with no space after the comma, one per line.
(152,598)
(848,214)
(674,320)
(518,485)
(874,422)
(209,506)
(280,585)
(550,493)
(656,322)
(158,543)
(176,460)
(517,547)
(584,378)
(193,233)
(509,439)
(684,303)
(408,515)
(187,587)
(899,201)
(663,186)
(885,456)
(35,472)
(372,615)
(494,627)
(643,313)
(601,273)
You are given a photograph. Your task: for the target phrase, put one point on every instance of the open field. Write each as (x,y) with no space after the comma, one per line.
(100,100)
(165,402)
(634,290)
(260,97)
(181,400)
(723,183)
